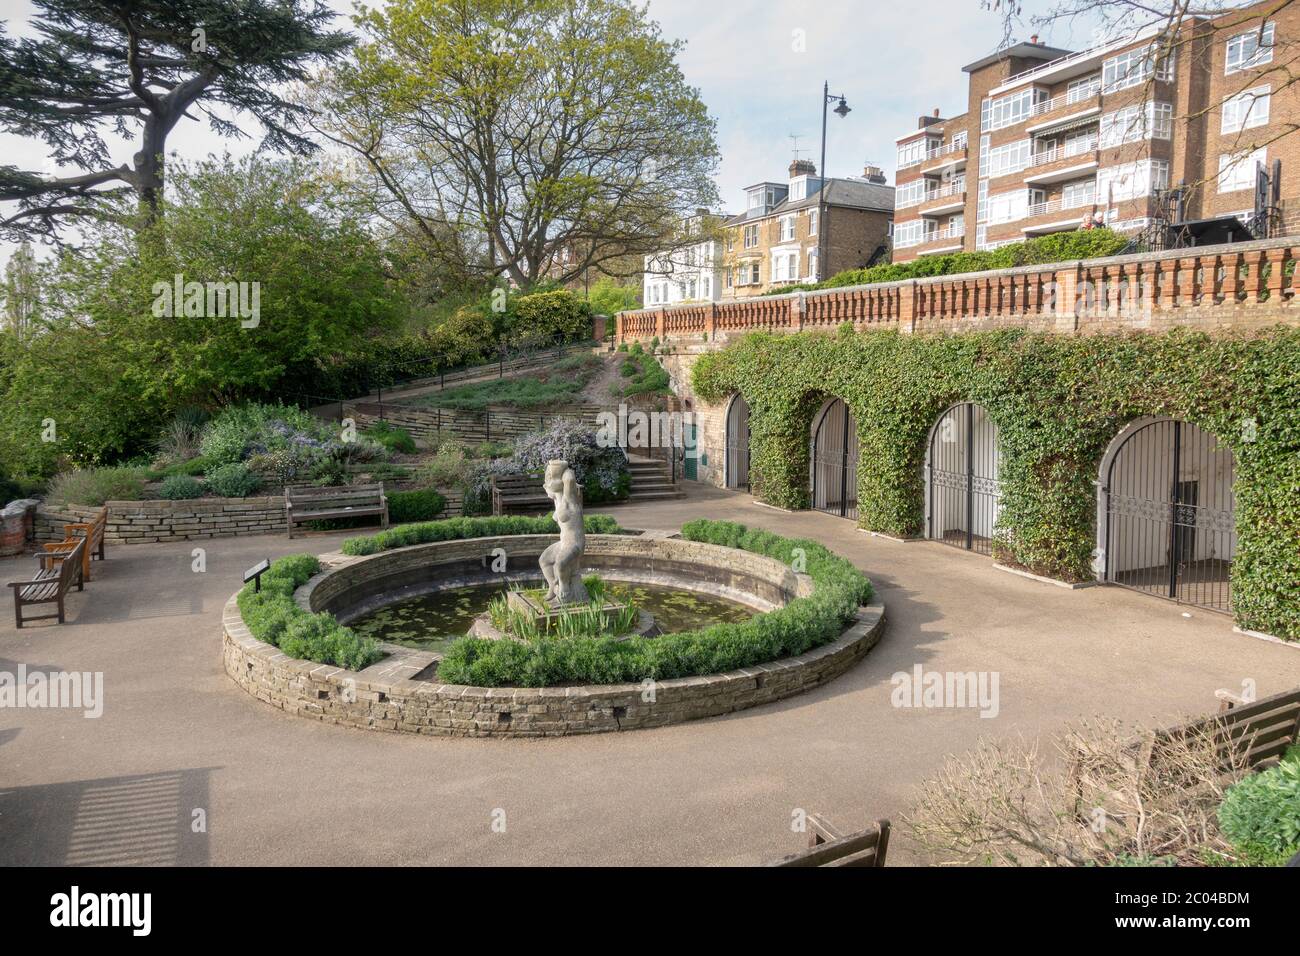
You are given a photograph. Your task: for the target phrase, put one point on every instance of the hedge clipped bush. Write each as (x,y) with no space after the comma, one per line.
(1260,815)
(1058,247)
(423,505)
(801,625)
(272,616)
(1058,402)
(454,529)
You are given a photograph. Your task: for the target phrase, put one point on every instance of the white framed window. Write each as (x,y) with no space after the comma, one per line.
(1010,109)
(981,237)
(751,236)
(1080,192)
(1237,170)
(1247,109)
(1010,158)
(909,233)
(1132,180)
(1009,206)
(911,153)
(959,140)
(812,264)
(1251,49)
(1079,141)
(1136,122)
(1135,66)
(910,194)
(813,218)
(1083,88)
(982,202)
(785,266)
(787,228)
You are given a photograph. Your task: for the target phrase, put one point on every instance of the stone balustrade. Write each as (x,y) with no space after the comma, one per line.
(1249,284)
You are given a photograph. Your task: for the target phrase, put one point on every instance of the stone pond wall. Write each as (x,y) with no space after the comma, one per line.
(401,693)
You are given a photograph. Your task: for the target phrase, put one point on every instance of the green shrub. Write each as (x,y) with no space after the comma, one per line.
(233,481)
(805,623)
(194,467)
(94,486)
(447,467)
(391,437)
(1261,813)
(242,430)
(647,376)
(271,615)
(607,297)
(406,506)
(1044,250)
(559,315)
(180,488)
(455,529)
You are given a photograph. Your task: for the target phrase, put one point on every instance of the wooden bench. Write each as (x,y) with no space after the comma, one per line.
(312,503)
(828,846)
(519,493)
(54,578)
(92,532)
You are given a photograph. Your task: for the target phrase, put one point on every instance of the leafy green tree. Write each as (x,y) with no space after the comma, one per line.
(525,139)
(122,65)
(120,353)
(607,297)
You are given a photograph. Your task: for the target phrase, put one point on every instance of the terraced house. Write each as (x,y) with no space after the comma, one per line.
(780,236)
(1052,140)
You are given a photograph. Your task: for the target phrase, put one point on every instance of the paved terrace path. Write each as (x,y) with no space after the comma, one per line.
(177,735)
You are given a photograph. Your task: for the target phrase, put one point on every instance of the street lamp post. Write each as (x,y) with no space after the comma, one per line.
(841,111)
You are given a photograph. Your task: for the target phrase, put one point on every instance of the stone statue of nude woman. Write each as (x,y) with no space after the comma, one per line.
(561,563)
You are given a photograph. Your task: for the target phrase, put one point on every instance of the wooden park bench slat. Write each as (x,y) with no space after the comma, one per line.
(827,847)
(311,503)
(50,585)
(93,533)
(511,492)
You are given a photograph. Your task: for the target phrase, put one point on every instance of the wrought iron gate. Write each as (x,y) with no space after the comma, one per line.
(738,444)
(962,479)
(1170,515)
(835,462)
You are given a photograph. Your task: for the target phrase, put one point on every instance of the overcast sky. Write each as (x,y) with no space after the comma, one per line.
(760,66)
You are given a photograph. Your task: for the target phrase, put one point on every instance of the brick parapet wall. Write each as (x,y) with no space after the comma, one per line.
(1239,286)
(386,697)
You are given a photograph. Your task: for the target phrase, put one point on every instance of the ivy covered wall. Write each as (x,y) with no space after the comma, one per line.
(1058,402)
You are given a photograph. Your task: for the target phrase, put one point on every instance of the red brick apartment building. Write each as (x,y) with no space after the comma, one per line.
(1052,139)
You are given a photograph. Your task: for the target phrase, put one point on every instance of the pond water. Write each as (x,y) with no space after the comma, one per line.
(431,622)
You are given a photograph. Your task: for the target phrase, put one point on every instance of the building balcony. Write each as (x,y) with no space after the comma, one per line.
(951,156)
(936,240)
(945,200)
(1063,162)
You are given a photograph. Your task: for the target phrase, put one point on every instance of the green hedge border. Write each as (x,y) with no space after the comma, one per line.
(1058,401)
(839,590)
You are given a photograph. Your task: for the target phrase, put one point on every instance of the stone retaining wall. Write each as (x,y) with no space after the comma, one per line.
(387,695)
(138,522)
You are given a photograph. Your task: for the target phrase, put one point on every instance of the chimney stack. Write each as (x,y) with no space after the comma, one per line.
(803,167)
(1034,39)
(874,174)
